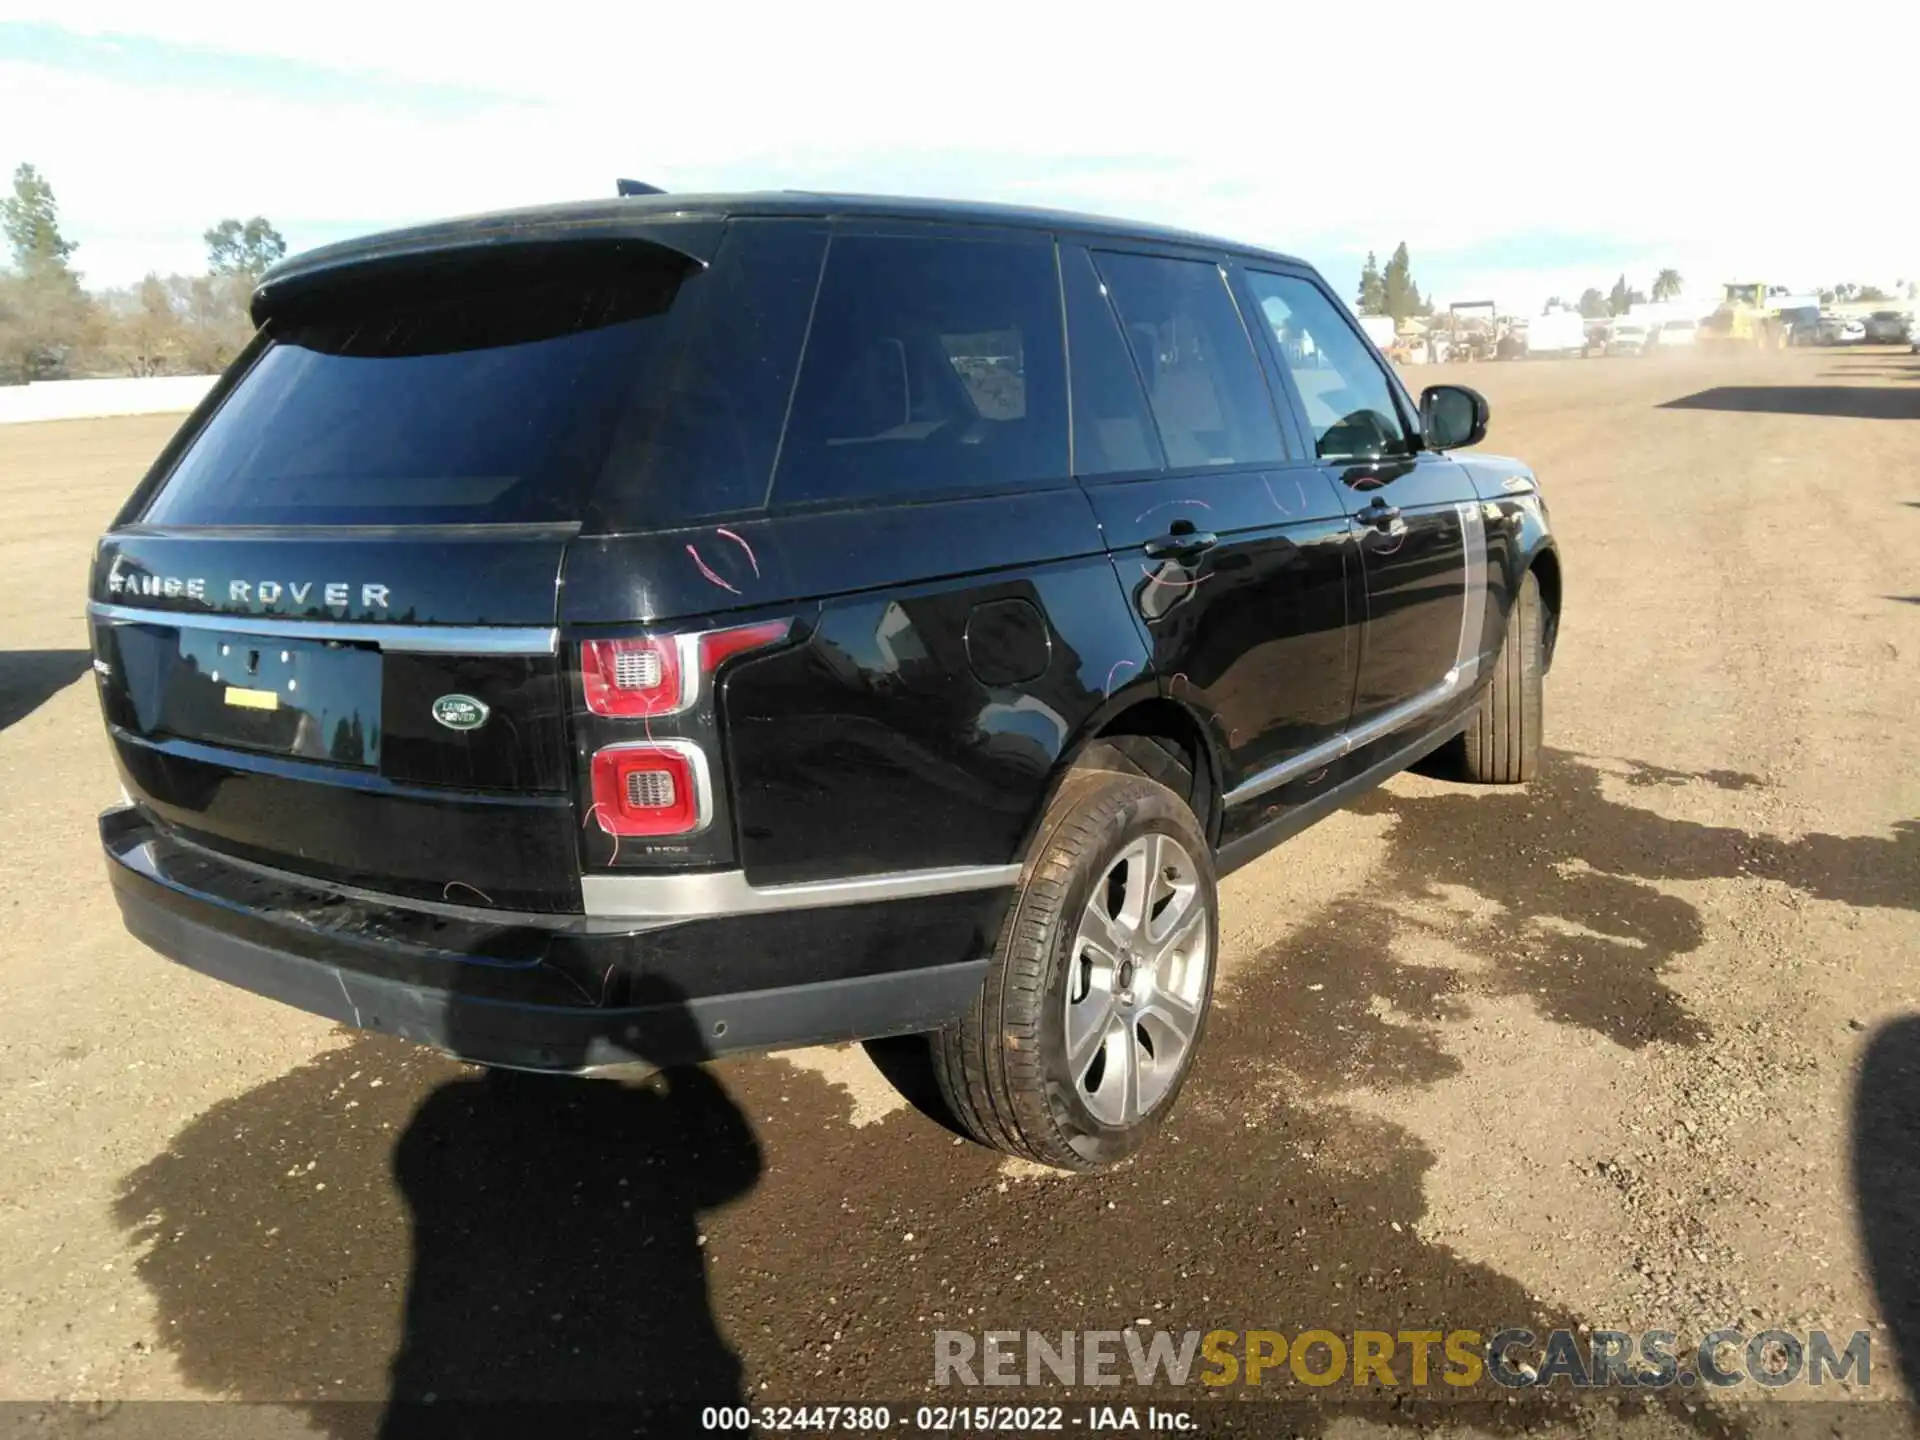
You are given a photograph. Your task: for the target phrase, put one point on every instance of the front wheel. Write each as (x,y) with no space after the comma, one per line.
(1501,745)
(1096,999)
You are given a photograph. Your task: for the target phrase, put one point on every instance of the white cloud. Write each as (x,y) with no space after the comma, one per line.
(1647,127)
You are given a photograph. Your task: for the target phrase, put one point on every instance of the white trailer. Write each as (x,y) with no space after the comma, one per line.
(1379,329)
(1558,332)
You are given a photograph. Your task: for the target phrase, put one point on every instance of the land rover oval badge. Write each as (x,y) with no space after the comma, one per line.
(460,712)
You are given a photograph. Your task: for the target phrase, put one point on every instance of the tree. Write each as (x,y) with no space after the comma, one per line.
(46,319)
(1870,293)
(1373,290)
(31,218)
(1400,296)
(1593,305)
(1667,285)
(250,248)
(1554,302)
(143,331)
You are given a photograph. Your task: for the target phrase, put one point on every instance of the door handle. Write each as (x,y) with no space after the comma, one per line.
(1180,544)
(1378,513)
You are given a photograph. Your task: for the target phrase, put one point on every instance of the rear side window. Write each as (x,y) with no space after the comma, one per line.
(700,436)
(1195,360)
(933,365)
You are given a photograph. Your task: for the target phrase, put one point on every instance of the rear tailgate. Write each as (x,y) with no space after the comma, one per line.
(325,627)
(426,760)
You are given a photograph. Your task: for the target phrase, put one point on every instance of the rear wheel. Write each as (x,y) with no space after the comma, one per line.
(1501,745)
(1096,999)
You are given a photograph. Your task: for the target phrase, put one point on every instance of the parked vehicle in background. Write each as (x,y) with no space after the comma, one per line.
(1558,332)
(1888,327)
(1842,330)
(1801,324)
(628,632)
(1626,337)
(1675,333)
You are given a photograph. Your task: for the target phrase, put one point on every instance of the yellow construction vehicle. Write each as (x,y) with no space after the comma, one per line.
(1749,316)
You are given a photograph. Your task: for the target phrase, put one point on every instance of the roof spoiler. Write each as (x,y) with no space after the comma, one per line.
(636,187)
(403,256)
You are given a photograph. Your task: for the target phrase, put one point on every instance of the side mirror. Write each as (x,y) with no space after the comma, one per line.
(1452,416)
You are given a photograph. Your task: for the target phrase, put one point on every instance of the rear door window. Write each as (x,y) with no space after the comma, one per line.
(934,365)
(1113,433)
(1195,360)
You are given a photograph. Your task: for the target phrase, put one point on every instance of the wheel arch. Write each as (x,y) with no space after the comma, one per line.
(1545,567)
(1155,736)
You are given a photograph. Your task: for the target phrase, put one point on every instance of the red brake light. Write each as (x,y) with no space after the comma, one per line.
(652,789)
(719,646)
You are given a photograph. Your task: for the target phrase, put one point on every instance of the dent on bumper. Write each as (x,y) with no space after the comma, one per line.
(502,1003)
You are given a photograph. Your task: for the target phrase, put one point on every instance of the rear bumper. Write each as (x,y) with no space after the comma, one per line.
(524,995)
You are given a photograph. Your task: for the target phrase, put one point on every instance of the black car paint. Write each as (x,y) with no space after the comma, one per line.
(886,735)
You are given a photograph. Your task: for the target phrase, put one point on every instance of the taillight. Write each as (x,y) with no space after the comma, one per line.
(635,677)
(661,674)
(652,788)
(657,783)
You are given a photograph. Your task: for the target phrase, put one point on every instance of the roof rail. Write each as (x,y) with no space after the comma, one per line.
(637,187)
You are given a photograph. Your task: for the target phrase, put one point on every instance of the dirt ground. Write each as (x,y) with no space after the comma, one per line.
(1635,1046)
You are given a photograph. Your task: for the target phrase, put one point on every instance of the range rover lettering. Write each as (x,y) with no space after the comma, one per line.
(621,633)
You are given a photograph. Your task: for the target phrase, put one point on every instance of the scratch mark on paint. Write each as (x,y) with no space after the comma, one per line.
(1164,504)
(347,995)
(708,572)
(1113,672)
(751,558)
(585,994)
(446,891)
(605,980)
(1156,578)
(605,829)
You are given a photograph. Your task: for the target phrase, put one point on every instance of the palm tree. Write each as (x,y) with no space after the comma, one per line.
(1667,284)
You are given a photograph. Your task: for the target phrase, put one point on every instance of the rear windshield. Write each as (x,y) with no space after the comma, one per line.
(617,391)
(472,407)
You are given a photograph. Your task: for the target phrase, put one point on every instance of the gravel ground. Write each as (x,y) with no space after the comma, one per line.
(1636,1046)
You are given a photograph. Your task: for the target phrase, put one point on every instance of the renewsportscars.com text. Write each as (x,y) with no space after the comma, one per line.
(1513,1358)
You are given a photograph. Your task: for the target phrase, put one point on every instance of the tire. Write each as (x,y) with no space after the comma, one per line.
(1501,744)
(1004,1071)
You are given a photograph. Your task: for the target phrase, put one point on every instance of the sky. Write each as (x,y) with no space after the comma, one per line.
(1520,151)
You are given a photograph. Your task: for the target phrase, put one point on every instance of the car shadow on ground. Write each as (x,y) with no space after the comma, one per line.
(1859,402)
(382,1224)
(1886,1180)
(29,678)
(504,1237)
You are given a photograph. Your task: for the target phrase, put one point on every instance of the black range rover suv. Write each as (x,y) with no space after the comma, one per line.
(633,631)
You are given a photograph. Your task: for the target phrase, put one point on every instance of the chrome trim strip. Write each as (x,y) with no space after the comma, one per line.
(1339,746)
(726,892)
(1473,621)
(396,639)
